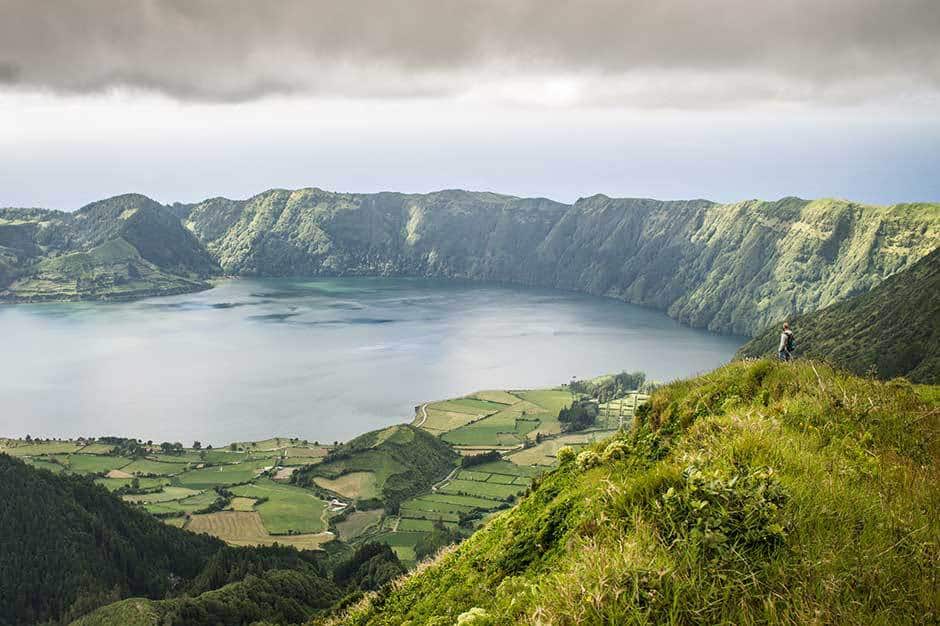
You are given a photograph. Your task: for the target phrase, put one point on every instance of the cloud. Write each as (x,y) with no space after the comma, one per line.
(684,53)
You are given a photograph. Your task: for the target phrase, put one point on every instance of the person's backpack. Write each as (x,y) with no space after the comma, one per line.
(791,342)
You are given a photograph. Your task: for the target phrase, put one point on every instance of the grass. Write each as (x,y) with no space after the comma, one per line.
(222,475)
(481,490)
(497,396)
(358,522)
(354,485)
(759,493)
(95,463)
(288,509)
(146,467)
(243,528)
(112,484)
(544,453)
(243,504)
(165,495)
(21,448)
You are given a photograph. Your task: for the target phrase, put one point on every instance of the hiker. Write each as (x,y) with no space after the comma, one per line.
(787,343)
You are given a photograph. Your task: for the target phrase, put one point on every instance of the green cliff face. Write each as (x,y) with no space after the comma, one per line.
(733,268)
(124,247)
(893,330)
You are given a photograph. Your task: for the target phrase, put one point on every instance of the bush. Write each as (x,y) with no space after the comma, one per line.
(588,459)
(565,454)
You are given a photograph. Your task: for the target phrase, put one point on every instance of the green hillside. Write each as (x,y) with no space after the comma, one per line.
(121,248)
(761,492)
(733,268)
(68,546)
(893,330)
(382,467)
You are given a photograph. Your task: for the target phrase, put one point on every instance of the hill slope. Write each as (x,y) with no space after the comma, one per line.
(383,466)
(761,492)
(893,330)
(68,545)
(124,247)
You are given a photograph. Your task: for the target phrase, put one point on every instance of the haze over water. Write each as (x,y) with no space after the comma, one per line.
(322,359)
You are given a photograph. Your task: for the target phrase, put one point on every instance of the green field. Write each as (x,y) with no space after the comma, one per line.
(95,463)
(146,467)
(288,508)
(165,495)
(186,505)
(112,484)
(42,463)
(482,490)
(222,474)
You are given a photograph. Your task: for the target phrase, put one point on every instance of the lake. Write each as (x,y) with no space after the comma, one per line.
(321,359)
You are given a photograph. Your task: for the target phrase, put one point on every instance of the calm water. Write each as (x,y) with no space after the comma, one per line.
(319,359)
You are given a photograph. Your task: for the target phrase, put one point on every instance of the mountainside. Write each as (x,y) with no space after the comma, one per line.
(893,330)
(67,545)
(762,492)
(124,247)
(733,268)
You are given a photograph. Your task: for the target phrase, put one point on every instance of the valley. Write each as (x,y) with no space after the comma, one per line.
(413,487)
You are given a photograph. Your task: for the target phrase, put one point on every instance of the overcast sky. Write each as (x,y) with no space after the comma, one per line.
(726,99)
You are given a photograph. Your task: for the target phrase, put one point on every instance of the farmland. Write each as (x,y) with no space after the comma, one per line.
(401,485)
(186,488)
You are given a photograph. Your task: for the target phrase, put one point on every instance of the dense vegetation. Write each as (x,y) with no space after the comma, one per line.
(893,330)
(731,268)
(761,492)
(67,546)
(405,461)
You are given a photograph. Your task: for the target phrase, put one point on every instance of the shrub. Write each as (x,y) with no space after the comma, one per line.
(588,459)
(565,454)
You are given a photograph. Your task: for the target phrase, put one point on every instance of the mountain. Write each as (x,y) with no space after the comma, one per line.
(893,330)
(732,268)
(381,467)
(124,247)
(761,492)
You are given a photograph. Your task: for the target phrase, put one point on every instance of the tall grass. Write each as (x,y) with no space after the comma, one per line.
(762,492)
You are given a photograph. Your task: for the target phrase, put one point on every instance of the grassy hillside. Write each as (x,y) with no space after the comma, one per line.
(761,492)
(893,330)
(383,466)
(123,247)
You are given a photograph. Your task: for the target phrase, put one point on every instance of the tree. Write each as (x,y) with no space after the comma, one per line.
(197,445)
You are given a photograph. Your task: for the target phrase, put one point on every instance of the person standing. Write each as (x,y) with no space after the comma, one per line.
(787,344)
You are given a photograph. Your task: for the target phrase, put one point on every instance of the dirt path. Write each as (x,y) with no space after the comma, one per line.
(441,482)
(424,415)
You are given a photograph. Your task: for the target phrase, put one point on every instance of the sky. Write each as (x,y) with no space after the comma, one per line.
(727,100)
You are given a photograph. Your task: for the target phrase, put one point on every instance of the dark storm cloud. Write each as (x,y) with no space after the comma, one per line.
(237,50)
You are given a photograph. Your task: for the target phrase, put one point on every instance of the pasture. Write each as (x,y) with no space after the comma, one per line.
(245,528)
(288,509)
(354,485)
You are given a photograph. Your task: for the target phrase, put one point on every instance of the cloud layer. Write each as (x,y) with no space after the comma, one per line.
(686,53)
